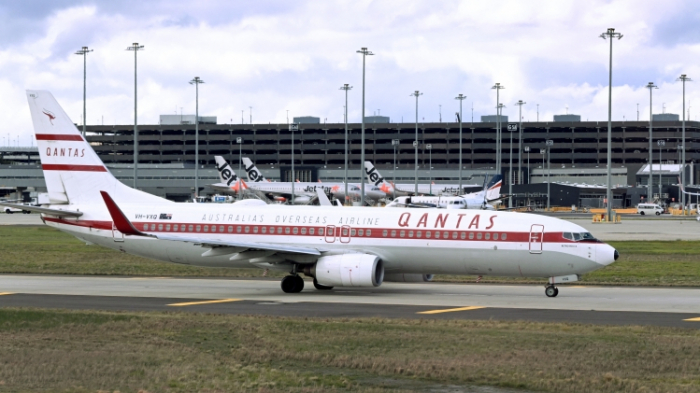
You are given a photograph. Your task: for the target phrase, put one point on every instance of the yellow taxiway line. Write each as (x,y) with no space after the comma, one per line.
(697,319)
(204,302)
(450,310)
(6,293)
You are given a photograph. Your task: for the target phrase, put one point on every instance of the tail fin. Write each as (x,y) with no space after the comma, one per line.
(74,173)
(253,173)
(226,174)
(375,178)
(493,188)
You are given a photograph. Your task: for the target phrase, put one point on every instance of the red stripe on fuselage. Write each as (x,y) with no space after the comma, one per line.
(58,137)
(69,167)
(288,231)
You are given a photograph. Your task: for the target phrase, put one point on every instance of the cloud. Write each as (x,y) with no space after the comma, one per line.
(279,56)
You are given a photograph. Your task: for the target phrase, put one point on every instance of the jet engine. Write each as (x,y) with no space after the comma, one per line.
(347,270)
(400,277)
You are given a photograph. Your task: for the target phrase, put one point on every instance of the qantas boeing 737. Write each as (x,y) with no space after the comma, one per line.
(351,246)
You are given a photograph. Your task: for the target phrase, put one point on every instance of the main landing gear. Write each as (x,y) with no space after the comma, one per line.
(293,283)
(551,291)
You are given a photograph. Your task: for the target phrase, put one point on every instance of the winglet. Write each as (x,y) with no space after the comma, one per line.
(122,223)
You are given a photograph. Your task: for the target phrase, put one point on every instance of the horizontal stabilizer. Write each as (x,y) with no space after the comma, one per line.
(44,210)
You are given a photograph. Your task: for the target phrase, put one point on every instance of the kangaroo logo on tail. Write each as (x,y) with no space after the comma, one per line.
(50,115)
(226,174)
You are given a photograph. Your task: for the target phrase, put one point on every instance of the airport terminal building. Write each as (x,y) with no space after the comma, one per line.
(577,154)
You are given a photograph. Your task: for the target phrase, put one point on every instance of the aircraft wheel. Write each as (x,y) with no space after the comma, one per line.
(551,291)
(292,284)
(321,287)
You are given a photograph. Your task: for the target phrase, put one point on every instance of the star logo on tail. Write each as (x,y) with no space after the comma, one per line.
(50,115)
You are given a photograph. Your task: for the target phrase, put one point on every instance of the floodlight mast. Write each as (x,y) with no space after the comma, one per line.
(364,53)
(415,142)
(196,81)
(520,104)
(135,48)
(610,34)
(651,86)
(84,51)
(461,98)
(498,88)
(347,88)
(683,78)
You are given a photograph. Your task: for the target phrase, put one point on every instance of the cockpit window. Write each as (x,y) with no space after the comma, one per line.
(576,236)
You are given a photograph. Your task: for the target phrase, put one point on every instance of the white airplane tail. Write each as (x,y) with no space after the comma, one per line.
(227,175)
(253,173)
(375,178)
(74,173)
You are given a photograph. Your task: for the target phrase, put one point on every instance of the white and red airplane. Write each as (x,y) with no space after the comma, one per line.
(406,189)
(352,246)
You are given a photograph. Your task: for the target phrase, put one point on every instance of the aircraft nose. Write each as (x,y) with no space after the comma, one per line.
(607,255)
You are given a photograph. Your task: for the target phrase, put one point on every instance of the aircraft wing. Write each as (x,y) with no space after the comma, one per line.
(126,227)
(44,210)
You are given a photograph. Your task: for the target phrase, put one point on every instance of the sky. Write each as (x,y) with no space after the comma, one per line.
(292,57)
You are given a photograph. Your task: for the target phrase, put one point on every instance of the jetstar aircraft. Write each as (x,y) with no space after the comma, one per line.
(394,190)
(476,200)
(304,193)
(303,190)
(352,246)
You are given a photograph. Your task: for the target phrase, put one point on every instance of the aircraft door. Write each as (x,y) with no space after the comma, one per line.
(116,235)
(536,238)
(345,234)
(331,233)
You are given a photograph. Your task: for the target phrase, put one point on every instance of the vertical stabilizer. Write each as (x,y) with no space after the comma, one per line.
(375,178)
(74,173)
(253,173)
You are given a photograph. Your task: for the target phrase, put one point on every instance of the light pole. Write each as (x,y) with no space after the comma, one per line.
(395,143)
(292,128)
(251,114)
(510,167)
(84,51)
(346,87)
(527,150)
(415,142)
(520,104)
(683,78)
(498,88)
(461,98)
(549,170)
(196,81)
(364,53)
(430,166)
(136,48)
(610,34)
(239,140)
(651,86)
(543,152)
(661,144)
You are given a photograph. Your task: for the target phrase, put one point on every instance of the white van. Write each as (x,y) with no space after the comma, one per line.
(649,208)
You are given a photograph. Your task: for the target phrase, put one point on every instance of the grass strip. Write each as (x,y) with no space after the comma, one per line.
(48,350)
(44,250)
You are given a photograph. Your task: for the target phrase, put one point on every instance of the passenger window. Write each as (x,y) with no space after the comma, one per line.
(255,229)
(160,227)
(311,231)
(191,228)
(221,228)
(410,233)
(419,233)
(303,231)
(487,236)
(454,235)
(279,230)
(352,232)
(145,227)
(427,234)
(213,228)
(296,230)
(384,233)
(495,236)
(368,233)
(199,228)
(503,236)
(445,235)
(167,227)
(478,236)
(320,231)
(393,233)
(247,229)
(239,229)
(402,233)
(361,232)
(463,235)
(471,235)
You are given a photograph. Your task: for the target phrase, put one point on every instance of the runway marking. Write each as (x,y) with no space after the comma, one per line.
(148,278)
(6,293)
(450,310)
(697,319)
(204,302)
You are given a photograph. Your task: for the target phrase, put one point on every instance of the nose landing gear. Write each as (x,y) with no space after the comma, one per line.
(551,291)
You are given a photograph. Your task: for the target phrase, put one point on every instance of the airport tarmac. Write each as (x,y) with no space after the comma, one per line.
(608,305)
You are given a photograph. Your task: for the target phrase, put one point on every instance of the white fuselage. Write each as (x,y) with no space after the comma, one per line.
(444,202)
(425,241)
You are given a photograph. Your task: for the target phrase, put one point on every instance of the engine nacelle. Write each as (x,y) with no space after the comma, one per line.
(348,270)
(400,277)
